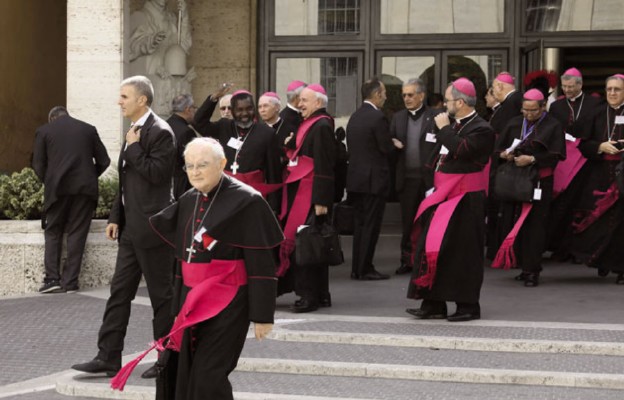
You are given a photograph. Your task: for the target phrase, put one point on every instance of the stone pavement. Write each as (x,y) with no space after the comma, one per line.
(561,340)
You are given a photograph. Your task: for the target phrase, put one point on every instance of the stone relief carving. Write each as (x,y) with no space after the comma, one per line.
(159,44)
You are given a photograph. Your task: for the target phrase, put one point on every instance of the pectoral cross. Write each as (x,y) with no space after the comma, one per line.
(234,168)
(191,251)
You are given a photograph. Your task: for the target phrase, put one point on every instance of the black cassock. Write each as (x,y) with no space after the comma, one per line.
(460,263)
(577,119)
(259,149)
(547,144)
(600,244)
(244,227)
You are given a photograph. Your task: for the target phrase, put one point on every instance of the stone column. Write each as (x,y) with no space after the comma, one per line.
(95,66)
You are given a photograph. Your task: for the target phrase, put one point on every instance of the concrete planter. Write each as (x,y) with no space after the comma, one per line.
(21,257)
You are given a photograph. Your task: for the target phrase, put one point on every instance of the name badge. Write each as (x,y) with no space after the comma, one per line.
(430,137)
(198,235)
(619,119)
(293,162)
(444,150)
(234,143)
(513,146)
(429,192)
(570,137)
(537,194)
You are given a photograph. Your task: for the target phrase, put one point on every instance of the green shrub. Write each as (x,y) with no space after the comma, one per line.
(21,195)
(107,192)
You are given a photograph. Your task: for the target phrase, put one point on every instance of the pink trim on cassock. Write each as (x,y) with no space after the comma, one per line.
(450,189)
(567,169)
(213,287)
(255,179)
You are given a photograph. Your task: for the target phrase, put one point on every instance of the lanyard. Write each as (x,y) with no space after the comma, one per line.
(575,117)
(527,132)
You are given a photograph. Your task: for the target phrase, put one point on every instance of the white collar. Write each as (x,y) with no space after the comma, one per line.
(374,106)
(459,120)
(144,117)
(293,108)
(574,98)
(274,123)
(413,112)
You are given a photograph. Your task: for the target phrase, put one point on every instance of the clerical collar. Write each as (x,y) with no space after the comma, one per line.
(618,107)
(413,112)
(374,106)
(466,118)
(144,117)
(274,123)
(496,106)
(509,94)
(293,108)
(576,97)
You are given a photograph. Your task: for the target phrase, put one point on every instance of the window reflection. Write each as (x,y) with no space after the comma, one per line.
(317,17)
(574,15)
(397,70)
(442,16)
(480,69)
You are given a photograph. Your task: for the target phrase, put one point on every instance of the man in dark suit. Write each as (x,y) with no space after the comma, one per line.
(291,112)
(368,176)
(183,112)
(68,157)
(145,167)
(414,129)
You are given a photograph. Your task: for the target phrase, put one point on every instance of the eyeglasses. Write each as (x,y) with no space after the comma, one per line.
(225,108)
(198,167)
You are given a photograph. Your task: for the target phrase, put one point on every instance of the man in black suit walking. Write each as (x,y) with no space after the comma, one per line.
(413,128)
(145,167)
(68,157)
(368,176)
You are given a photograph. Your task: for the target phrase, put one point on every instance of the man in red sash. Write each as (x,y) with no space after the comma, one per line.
(250,149)
(308,196)
(223,233)
(599,228)
(535,138)
(575,111)
(449,227)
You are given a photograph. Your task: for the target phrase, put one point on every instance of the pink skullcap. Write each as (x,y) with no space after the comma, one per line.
(317,88)
(270,94)
(294,85)
(506,77)
(621,76)
(465,86)
(573,72)
(533,95)
(242,91)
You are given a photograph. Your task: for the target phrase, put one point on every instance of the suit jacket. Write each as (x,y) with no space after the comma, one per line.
(183,135)
(145,181)
(509,108)
(398,130)
(369,144)
(68,157)
(292,116)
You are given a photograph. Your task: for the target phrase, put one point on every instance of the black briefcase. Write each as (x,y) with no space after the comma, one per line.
(513,183)
(318,244)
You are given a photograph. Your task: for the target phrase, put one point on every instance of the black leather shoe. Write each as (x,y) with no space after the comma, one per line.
(355,276)
(531,280)
(304,306)
(97,366)
(461,317)
(151,372)
(603,272)
(620,279)
(403,269)
(522,277)
(325,301)
(420,314)
(374,276)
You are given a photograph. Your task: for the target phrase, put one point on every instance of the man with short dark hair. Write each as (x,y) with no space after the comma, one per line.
(68,157)
(180,122)
(146,164)
(413,127)
(368,176)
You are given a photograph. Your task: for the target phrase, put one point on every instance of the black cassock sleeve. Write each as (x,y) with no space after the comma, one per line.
(262,284)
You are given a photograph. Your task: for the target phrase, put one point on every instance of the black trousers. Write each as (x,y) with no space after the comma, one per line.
(368,210)
(410,196)
(71,214)
(132,262)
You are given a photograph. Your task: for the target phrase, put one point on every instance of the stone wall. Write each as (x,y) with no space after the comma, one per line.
(21,257)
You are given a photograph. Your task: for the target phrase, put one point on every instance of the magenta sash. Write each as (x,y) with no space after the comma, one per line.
(303,173)
(255,179)
(567,169)
(213,287)
(449,191)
